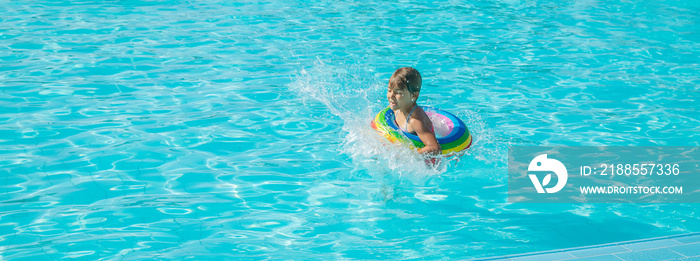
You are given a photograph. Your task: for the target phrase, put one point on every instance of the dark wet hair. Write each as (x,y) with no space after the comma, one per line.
(406,78)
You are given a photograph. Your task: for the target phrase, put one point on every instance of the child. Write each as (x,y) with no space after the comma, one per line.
(404,87)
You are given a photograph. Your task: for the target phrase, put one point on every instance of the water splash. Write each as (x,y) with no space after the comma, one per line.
(356,100)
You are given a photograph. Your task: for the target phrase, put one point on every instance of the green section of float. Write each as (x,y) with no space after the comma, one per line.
(393,135)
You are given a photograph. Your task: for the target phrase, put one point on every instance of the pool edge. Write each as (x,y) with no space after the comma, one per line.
(537,254)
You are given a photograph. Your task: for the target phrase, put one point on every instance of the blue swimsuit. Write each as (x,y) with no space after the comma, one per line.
(405,126)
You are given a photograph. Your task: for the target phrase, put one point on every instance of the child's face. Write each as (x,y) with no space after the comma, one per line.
(399,98)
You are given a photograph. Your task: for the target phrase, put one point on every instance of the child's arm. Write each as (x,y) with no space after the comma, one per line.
(420,126)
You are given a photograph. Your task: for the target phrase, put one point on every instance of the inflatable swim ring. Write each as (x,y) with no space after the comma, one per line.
(450,131)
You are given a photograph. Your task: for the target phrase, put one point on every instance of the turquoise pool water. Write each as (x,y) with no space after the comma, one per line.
(219,130)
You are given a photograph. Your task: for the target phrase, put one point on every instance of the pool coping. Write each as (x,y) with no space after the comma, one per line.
(540,254)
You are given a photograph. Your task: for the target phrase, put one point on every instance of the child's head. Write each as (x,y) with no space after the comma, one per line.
(404,87)
(407,79)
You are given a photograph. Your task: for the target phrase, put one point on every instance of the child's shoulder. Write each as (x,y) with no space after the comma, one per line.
(420,121)
(420,115)
(420,112)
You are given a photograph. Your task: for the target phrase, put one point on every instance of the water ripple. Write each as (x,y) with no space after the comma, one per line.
(226,130)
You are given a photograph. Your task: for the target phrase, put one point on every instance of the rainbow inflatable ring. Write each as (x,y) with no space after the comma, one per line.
(457,139)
